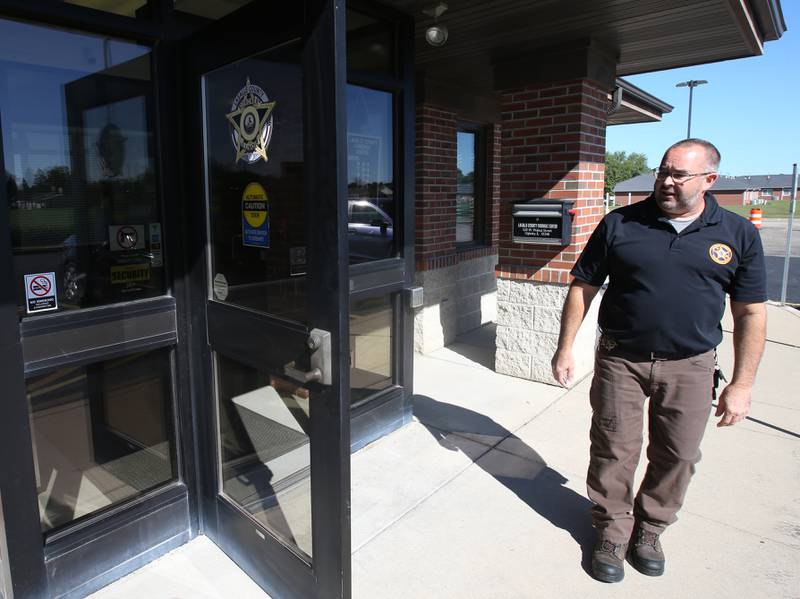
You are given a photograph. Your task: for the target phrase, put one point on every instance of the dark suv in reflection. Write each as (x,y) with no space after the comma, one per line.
(370,230)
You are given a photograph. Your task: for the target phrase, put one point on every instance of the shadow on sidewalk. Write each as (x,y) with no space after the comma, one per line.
(516,466)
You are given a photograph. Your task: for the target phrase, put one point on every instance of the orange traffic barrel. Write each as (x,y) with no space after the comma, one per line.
(755,217)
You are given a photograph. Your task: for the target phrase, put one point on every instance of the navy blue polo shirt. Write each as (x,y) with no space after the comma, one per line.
(666,291)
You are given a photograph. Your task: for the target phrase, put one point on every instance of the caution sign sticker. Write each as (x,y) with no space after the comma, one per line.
(40,292)
(130,273)
(255,216)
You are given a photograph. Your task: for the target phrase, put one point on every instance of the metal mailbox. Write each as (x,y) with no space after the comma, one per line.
(546,222)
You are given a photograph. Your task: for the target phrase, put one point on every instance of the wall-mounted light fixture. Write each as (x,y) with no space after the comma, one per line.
(436,35)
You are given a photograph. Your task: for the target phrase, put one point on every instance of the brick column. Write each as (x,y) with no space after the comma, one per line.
(553,146)
(495,157)
(436,184)
(459,282)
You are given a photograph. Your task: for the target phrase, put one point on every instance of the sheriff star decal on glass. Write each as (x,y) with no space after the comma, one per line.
(251,122)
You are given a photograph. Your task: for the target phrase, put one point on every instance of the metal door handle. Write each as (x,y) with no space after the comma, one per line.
(319,342)
(303,376)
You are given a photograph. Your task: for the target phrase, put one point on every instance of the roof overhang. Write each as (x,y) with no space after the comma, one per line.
(642,35)
(631,104)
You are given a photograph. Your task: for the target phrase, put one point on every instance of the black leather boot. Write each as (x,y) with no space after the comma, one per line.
(647,556)
(608,560)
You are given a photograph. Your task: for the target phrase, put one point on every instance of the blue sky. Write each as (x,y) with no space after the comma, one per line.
(748,109)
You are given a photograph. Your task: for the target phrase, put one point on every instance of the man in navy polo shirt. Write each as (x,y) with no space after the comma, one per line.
(670,260)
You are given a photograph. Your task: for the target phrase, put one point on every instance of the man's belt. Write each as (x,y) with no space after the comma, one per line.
(610,345)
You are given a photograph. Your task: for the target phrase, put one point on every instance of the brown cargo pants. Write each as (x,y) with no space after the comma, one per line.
(680,393)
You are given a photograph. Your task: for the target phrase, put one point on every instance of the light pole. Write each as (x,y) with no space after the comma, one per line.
(691,84)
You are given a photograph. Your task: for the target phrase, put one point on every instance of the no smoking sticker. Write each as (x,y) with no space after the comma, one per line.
(124,238)
(40,292)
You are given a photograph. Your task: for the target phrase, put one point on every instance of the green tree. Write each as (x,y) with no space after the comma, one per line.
(621,167)
(462,178)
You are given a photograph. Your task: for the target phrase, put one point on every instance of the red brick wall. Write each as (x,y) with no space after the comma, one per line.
(553,146)
(725,198)
(435,207)
(493,191)
(728,198)
(622,199)
(435,204)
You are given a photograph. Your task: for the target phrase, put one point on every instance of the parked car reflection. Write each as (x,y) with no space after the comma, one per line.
(371,231)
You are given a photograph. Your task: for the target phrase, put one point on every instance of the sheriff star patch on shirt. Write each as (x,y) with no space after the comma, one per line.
(720,253)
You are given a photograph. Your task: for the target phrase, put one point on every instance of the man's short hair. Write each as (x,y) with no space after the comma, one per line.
(713,156)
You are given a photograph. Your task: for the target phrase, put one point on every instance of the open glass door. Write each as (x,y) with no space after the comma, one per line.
(271,182)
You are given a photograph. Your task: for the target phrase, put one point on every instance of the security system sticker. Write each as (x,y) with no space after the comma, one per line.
(156,247)
(720,253)
(123,238)
(255,216)
(251,123)
(130,273)
(220,287)
(40,292)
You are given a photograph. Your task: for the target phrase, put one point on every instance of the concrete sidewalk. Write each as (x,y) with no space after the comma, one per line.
(483,496)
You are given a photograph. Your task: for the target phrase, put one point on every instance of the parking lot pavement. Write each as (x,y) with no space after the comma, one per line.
(773,237)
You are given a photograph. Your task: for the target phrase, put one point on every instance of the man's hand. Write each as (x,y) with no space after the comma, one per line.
(749,334)
(579,297)
(563,366)
(734,404)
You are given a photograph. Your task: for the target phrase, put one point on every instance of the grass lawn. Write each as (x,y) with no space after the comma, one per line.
(774,209)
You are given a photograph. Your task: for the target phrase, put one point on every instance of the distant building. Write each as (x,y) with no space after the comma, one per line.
(729,191)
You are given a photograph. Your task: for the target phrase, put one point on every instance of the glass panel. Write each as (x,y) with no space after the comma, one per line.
(465,187)
(254,146)
(126,8)
(371,343)
(370,44)
(265,459)
(370,174)
(78,145)
(209,10)
(101,434)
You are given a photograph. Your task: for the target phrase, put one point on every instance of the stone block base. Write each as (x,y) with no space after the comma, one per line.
(458,298)
(528,322)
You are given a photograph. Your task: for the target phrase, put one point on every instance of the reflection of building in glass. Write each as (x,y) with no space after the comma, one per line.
(370,187)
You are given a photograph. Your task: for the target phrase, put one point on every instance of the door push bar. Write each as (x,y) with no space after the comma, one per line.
(319,342)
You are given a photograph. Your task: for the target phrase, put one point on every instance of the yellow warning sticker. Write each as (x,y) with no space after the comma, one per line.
(130,273)
(255,216)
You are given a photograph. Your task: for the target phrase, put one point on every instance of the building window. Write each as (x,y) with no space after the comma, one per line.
(370,45)
(470,177)
(79,149)
(101,434)
(371,342)
(370,174)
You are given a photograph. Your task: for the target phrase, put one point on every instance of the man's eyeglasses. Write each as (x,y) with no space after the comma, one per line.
(677,177)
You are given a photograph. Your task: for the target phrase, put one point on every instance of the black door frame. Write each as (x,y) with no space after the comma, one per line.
(390,409)
(185,500)
(132,533)
(320,26)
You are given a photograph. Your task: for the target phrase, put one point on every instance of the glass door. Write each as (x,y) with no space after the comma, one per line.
(271,178)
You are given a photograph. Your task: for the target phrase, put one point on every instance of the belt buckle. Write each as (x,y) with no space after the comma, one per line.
(655,358)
